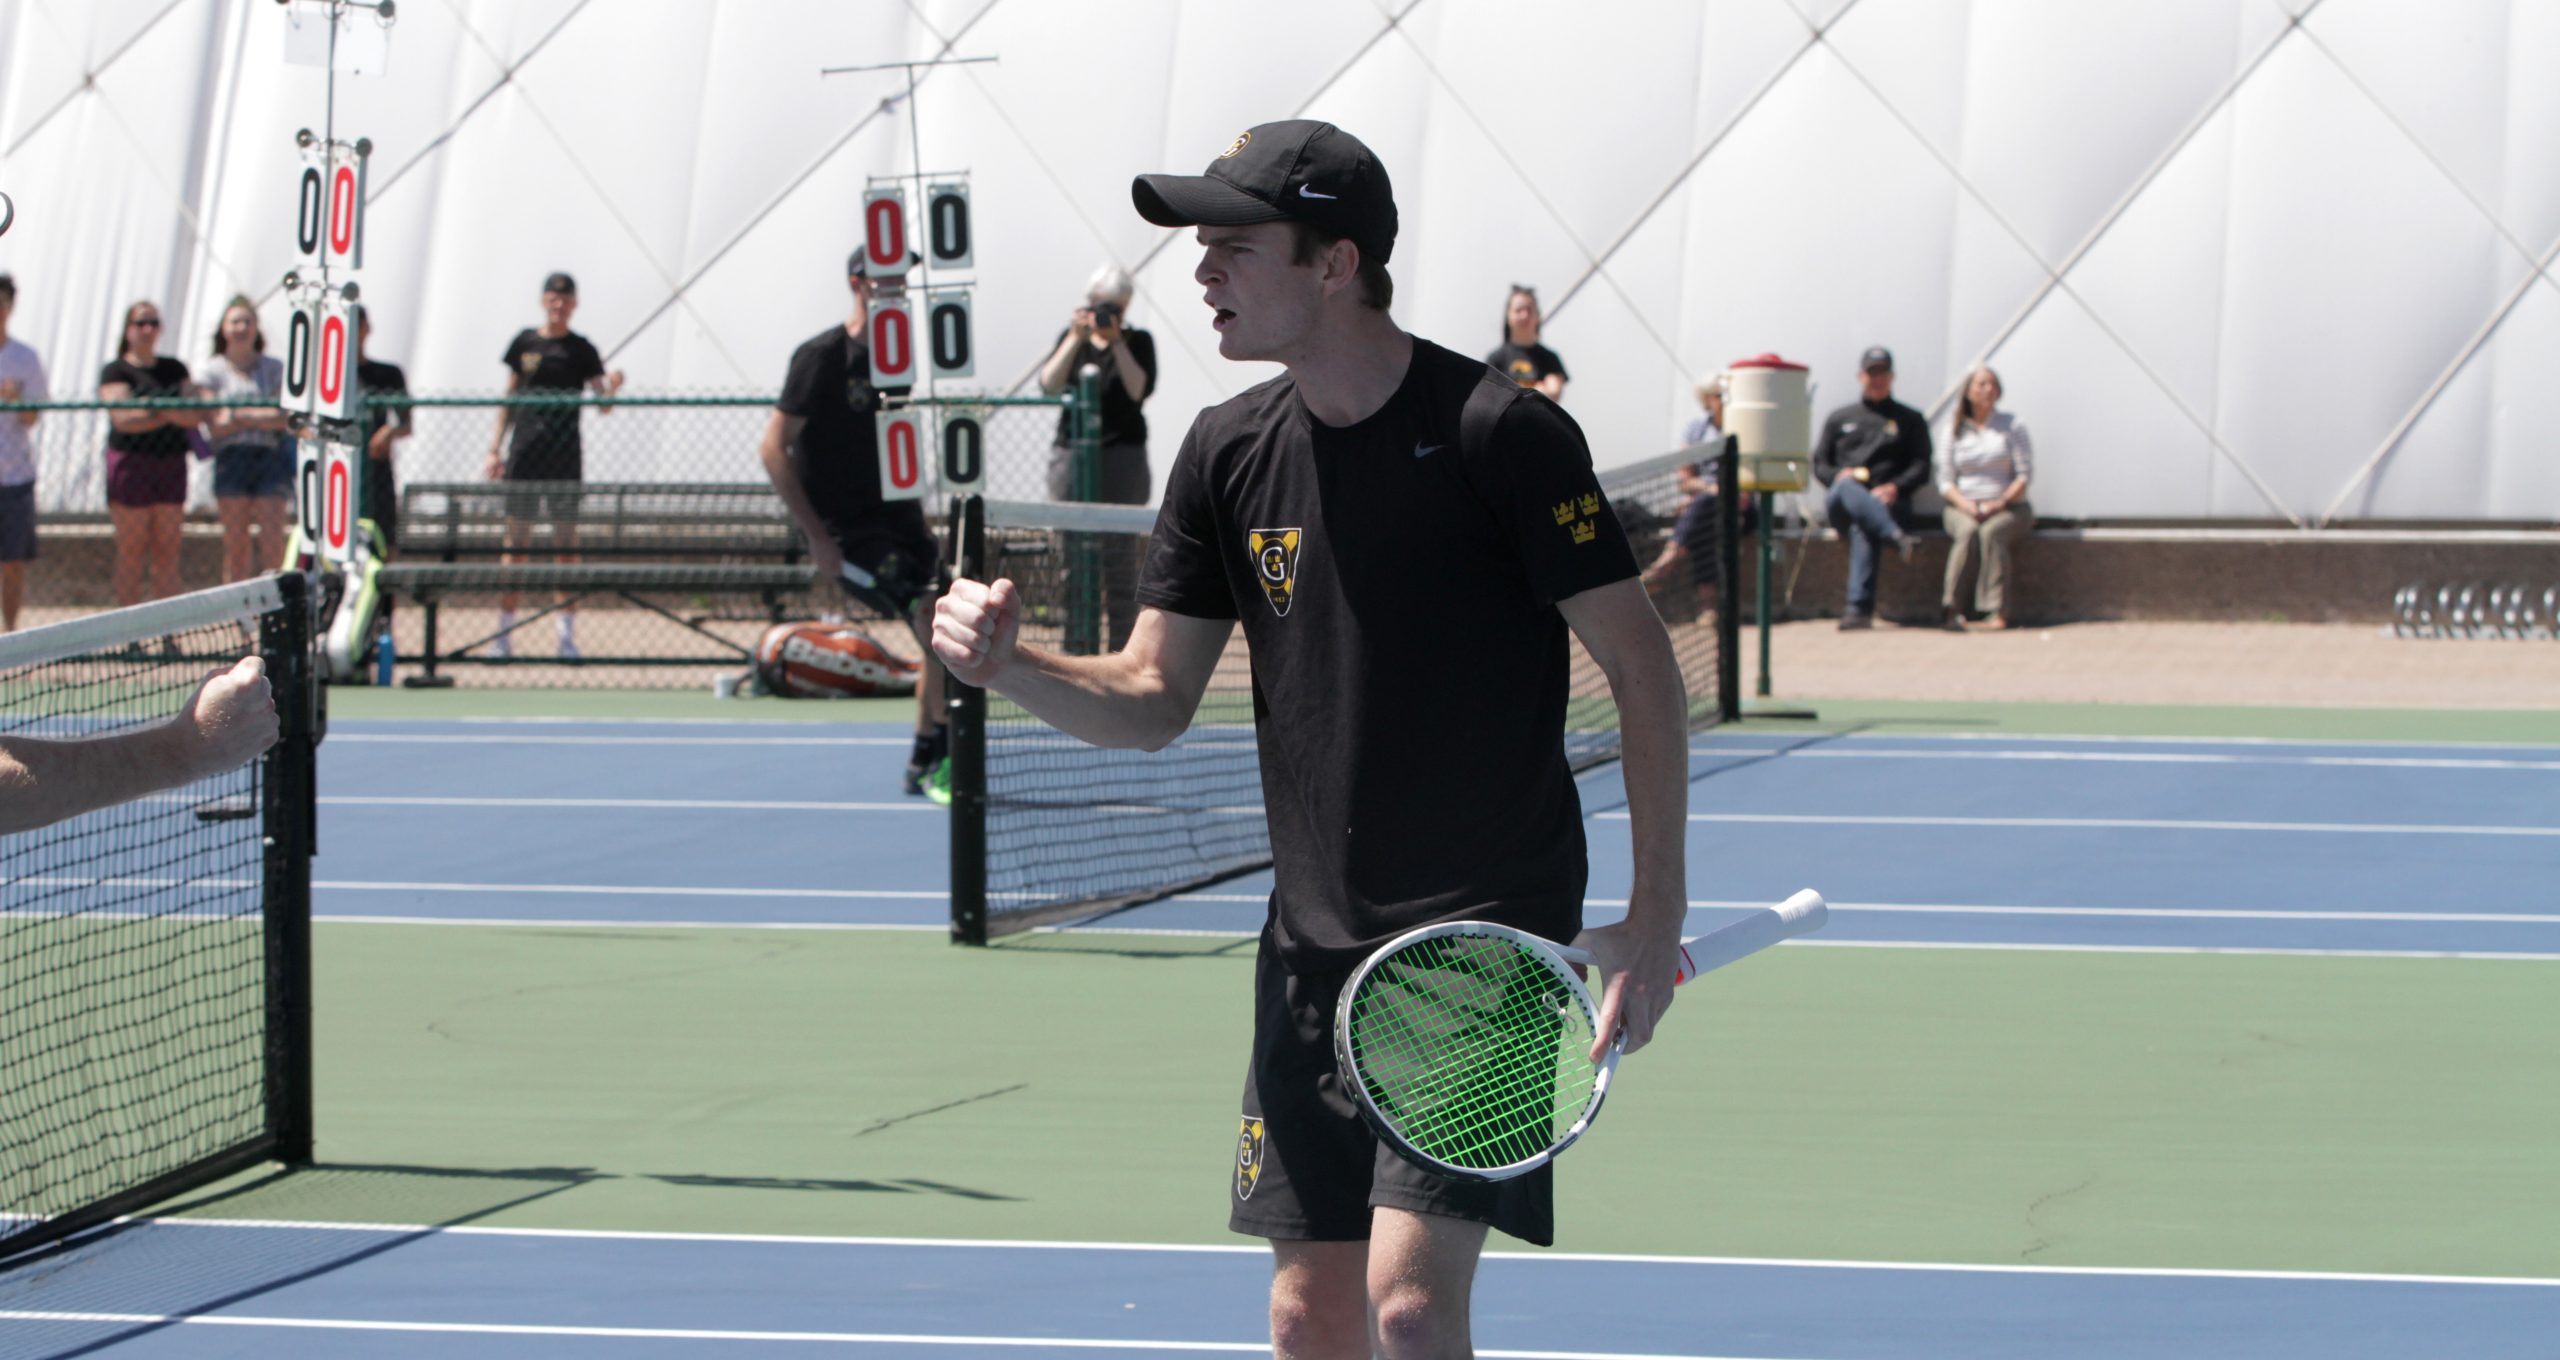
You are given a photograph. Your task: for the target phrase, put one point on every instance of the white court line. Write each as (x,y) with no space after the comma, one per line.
(588,923)
(717,1334)
(2143,758)
(1258,899)
(2111,824)
(1227,1249)
(630,804)
(560,739)
(2379,743)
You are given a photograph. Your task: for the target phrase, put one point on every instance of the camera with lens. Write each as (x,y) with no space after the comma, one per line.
(1106,314)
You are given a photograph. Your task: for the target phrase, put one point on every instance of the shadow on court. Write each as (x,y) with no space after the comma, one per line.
(162,1270)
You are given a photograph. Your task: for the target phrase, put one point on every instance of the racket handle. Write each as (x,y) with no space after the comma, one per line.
(1801,914)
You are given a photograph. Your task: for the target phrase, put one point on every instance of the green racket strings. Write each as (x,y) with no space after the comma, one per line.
(1474,1051)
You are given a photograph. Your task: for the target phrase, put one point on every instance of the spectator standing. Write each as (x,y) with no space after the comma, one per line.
(1983,475)
(146,457)
(1098,333)
(821,448)
(384,427)
(1693,534)
(21,379)
(541,444)
(1874,456)
(1520,355)
(253,462)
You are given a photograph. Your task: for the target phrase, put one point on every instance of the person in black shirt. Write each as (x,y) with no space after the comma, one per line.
(541,444)
(1408,538)
(1874,455)
(821,448)
(146,458)
(1529,363)
(385,425)
(1097,335)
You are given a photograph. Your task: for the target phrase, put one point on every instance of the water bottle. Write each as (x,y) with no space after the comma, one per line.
(382,658)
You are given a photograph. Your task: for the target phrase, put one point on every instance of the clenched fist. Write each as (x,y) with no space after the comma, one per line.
(229,720)
(974,626)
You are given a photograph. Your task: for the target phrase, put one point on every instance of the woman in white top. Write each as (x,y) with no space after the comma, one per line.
(1983,469)
(253,458)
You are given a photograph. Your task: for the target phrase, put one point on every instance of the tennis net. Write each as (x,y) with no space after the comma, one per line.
(154,955)
(1046,828)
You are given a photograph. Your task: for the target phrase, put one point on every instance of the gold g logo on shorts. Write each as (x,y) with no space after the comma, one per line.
(1248,1157)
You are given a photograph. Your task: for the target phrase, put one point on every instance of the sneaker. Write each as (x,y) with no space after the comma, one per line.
(1951,619)
(937,783)
(1853,621)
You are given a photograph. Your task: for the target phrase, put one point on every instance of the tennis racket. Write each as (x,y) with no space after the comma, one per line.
(1468,1044)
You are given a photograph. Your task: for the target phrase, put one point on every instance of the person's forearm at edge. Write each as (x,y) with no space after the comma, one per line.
(1653,725)
(43,781)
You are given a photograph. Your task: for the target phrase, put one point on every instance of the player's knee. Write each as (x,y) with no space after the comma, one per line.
(1413,1324)
(1305,1325)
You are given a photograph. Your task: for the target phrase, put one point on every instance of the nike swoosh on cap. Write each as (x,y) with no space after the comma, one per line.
(1305,192)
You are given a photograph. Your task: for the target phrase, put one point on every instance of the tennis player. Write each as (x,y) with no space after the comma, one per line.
(1406,535)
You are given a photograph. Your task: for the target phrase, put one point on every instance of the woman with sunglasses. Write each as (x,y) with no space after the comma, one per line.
(146,457)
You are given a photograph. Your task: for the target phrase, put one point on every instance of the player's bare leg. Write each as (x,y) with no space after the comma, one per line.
(932,745)
(1422,1274)
(1320,1301)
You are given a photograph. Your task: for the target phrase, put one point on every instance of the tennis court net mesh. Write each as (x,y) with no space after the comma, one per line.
(1046,828)
(153,955)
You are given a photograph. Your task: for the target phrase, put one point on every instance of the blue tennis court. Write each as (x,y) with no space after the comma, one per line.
(2396,861)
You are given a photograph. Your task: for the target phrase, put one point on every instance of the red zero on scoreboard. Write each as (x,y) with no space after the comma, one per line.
(336,518)
(901,455)
(884,231)
(342,210)
(893,345)
(333,359)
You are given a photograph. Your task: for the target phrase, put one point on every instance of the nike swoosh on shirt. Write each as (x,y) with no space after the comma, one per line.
(1425,450)
(1305,192)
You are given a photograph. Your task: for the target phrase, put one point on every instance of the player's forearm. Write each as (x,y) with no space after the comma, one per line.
(1653,731)
(1105,700)
(45,781)
(1133,375)
(1053,374)
(786,484)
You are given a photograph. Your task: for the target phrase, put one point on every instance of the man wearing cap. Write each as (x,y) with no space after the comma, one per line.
(1406,536)
(541,444)
(822,450)
(1874,455)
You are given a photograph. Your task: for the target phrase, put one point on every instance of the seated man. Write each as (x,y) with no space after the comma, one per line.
(1874,455)
(230,719)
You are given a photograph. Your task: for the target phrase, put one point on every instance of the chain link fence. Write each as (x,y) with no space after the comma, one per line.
(662,568)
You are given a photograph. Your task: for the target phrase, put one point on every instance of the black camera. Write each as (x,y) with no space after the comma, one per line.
(1106,314)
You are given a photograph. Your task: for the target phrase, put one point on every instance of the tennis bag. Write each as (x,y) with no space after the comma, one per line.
(829,661)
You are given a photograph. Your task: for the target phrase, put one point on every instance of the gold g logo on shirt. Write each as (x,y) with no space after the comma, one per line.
(1275,564)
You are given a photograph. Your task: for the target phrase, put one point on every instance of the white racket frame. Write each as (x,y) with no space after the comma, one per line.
(1801,914)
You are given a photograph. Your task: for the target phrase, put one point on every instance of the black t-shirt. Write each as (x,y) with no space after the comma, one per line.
(375,378)
(1409,663)
(1887,438)
(1122,421)
(1528,365)
(165,378)
(543,364)
(838,452)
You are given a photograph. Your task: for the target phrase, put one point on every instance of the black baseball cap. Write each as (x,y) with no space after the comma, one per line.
(1295,171)
(1877,356)
(560,283)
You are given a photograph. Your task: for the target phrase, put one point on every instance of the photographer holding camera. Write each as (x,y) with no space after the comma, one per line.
(1097,333)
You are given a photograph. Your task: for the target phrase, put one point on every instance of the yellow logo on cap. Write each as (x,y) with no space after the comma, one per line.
(1235,146)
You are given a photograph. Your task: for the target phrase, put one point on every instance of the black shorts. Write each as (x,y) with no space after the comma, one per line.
(1307,1168)
(892,562)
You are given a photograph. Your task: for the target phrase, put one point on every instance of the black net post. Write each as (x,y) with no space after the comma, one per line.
(1084,553)
(285,640)
(1729,581)
(967,708)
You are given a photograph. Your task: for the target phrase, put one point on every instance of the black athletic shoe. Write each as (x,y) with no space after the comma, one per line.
(1856,622)
(924,759)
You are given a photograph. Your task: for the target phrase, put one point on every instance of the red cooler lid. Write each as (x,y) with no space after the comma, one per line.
(1765,361)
